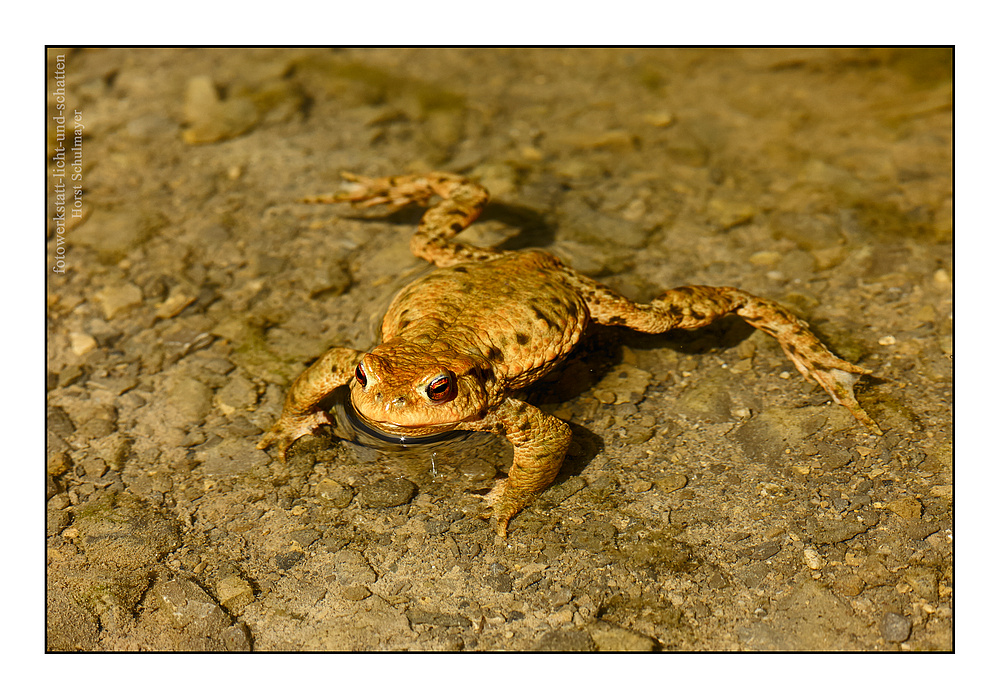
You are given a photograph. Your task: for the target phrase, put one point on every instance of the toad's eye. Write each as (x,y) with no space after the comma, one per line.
(359,374)
(441,388)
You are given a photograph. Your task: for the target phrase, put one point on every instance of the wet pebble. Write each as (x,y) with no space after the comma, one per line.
(924,582)
(80,344)
(304,537)
(566,641)
(190,401)
(116,300)
(835,532)
(762,552)
(56,520)
(234,593)
(338,495)
(423,616)
(58,422)
(189,607)
(212,119)
(356,593)
(94,467)
(849,584)
(671,482)
(388,492)
(239,393)
(907,508)
(895,628)
(285,561)
(593,536)
(353,568)
(237,638)
(813,560)
(608,637)
(501,582)
(708,399)
(562,491)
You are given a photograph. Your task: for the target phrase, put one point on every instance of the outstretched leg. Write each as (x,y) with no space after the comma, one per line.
(301,414)
(462,201)
(689,307)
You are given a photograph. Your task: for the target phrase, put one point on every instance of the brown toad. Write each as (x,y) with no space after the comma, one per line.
(457,343)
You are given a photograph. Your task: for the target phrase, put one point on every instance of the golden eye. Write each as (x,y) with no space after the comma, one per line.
(441,388)
(359,374)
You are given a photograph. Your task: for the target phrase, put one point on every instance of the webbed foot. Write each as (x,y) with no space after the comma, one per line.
(287,430)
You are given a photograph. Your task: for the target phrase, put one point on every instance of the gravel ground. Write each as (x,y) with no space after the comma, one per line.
(712,500)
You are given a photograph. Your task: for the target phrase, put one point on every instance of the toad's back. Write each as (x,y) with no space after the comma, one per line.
(516,311)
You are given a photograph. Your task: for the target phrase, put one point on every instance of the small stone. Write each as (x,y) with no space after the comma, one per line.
(835,532)
(237,638)
(189,400)
(338,495)
(614,638)
(189,607)
(234,593)
(605,397)
(907,508)
(388,492)
(874,572)
(813,559)
(94,467)
(304,537)
(501,582)
(625,384)
(762,552)
(765,258)
(58,464)
(924,582)
(239,393)
(56,520)
(353,568)
(285,561)
(566,641)
(176,303)
(212,119)
(116,300)
(658,119)
(641,486)
(849,585)
(424,616)
(356,593)
(671,482)
(895,628)
(81,343)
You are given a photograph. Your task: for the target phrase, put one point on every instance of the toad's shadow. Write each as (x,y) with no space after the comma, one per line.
(528,227)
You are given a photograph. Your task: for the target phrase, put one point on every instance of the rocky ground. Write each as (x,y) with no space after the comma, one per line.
(712,499)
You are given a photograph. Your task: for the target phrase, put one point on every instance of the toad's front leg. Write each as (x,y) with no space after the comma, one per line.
(540,443)
(301,414)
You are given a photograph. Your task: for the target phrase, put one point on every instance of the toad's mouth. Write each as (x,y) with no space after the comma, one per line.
(399,435)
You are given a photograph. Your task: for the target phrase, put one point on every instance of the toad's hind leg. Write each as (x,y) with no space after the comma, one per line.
(462,200)
(690,307)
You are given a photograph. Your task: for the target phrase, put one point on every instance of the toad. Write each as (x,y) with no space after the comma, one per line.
(459,344)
